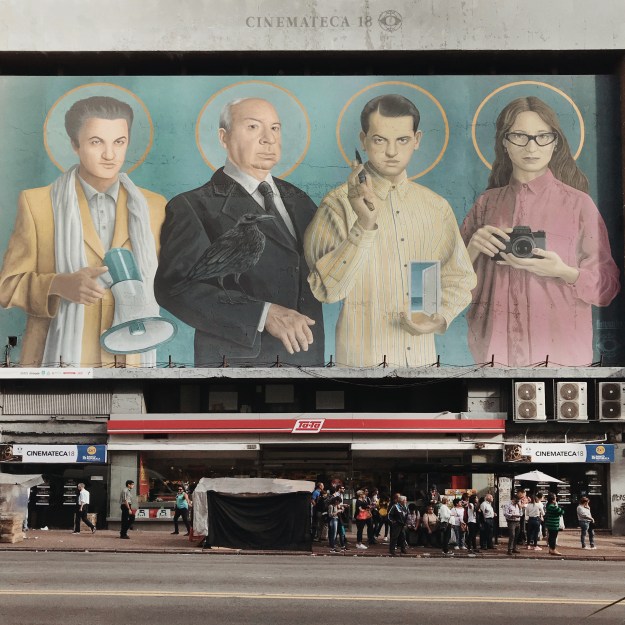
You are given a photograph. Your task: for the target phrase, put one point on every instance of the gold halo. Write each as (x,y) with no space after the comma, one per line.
(297,163)
(582,128)
(436,161)
(99,84)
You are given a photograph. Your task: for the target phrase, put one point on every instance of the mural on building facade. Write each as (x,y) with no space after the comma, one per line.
(382,246)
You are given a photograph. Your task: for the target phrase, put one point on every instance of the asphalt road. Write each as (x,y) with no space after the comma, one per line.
(38,588)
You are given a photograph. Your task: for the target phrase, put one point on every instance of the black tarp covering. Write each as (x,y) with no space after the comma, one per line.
(259,521)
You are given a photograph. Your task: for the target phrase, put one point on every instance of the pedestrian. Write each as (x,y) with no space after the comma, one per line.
(472,510)
(182,510)
(488,518)
(458,523)
(382,519)
(512,512)
(82,507)
(397,517)
(523,500)
(586,523)
(318,492)
(125,503)
(363,514)
(428,528)
(413,520)
(444,516)
(334,510)
(534,514)
(553,513)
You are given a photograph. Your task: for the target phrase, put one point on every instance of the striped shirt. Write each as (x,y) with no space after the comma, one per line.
(369,270)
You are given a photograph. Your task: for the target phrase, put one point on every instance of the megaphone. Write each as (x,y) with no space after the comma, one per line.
(137,326)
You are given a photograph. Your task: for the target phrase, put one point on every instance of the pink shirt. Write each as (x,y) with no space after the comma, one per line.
(520,317)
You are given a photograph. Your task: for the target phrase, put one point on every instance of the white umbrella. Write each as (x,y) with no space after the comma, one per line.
(537,476)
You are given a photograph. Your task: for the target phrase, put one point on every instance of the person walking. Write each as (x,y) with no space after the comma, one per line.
(552,522)
(586,522)
(82,507)
(182,510)
(125,503)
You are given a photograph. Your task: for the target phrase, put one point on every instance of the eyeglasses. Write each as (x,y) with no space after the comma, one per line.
(522,139)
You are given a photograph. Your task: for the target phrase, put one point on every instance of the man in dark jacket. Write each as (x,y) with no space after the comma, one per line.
(397,518)
(268,311)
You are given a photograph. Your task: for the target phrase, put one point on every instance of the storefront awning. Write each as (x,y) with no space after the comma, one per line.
(308,424)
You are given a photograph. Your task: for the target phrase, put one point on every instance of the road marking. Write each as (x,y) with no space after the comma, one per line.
(295,597)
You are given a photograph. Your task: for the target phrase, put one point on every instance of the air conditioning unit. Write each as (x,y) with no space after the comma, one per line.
(529,401)
(571,401)
(612,401)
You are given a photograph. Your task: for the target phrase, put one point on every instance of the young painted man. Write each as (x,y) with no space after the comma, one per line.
(366,233)
(62,232)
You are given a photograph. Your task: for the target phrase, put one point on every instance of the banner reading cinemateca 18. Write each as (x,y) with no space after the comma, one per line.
(227,220)
(558,452)
(53,454)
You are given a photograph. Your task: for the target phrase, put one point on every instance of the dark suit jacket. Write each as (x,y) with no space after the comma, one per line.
(196,218)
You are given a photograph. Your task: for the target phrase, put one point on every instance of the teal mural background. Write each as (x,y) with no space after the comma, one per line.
(175,164)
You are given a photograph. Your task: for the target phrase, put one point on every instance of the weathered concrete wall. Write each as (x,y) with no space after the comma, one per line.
(189,25)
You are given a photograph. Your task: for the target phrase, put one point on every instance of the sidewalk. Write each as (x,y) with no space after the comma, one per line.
(608,547)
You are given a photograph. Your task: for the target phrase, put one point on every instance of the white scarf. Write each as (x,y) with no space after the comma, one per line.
(64,338)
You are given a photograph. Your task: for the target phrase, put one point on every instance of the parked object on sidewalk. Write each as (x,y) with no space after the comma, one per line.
(253,513)
(14,491)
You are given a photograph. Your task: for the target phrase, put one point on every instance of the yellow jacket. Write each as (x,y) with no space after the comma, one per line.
(29,267)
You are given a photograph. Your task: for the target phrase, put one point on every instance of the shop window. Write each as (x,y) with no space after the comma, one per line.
(330,400)
(223,401)
(279,394)
(190,398)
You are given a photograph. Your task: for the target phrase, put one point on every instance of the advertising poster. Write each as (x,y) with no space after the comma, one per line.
(211,220)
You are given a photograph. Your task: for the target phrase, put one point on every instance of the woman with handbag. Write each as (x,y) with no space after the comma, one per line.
(586,522)
(382,519)
(362,517)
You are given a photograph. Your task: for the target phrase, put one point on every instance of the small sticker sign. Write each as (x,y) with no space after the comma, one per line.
(308,426)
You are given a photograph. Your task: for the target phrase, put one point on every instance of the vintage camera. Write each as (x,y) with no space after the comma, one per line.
(522,242)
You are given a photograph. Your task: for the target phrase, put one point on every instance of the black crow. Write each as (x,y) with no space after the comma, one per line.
(232,253)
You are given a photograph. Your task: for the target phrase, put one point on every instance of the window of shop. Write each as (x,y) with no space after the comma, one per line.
(162,472)
(330,400)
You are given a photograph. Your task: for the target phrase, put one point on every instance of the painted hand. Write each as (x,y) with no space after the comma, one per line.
(80,287)
(362,198)
(290,327)
(423,324)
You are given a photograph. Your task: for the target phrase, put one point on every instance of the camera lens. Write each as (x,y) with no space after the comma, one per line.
(523,246)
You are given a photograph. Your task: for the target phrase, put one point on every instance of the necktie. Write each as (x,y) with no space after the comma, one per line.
(267,192)
(271,209)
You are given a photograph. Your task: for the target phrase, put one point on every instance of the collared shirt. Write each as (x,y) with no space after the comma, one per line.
(83,497)
(125,496)
(444,513)
(370,269)
(250,184)
(521,317)
(512,511)
(487,510)
(102,206)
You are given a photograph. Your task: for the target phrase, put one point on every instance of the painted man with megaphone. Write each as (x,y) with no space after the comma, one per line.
(54,261)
